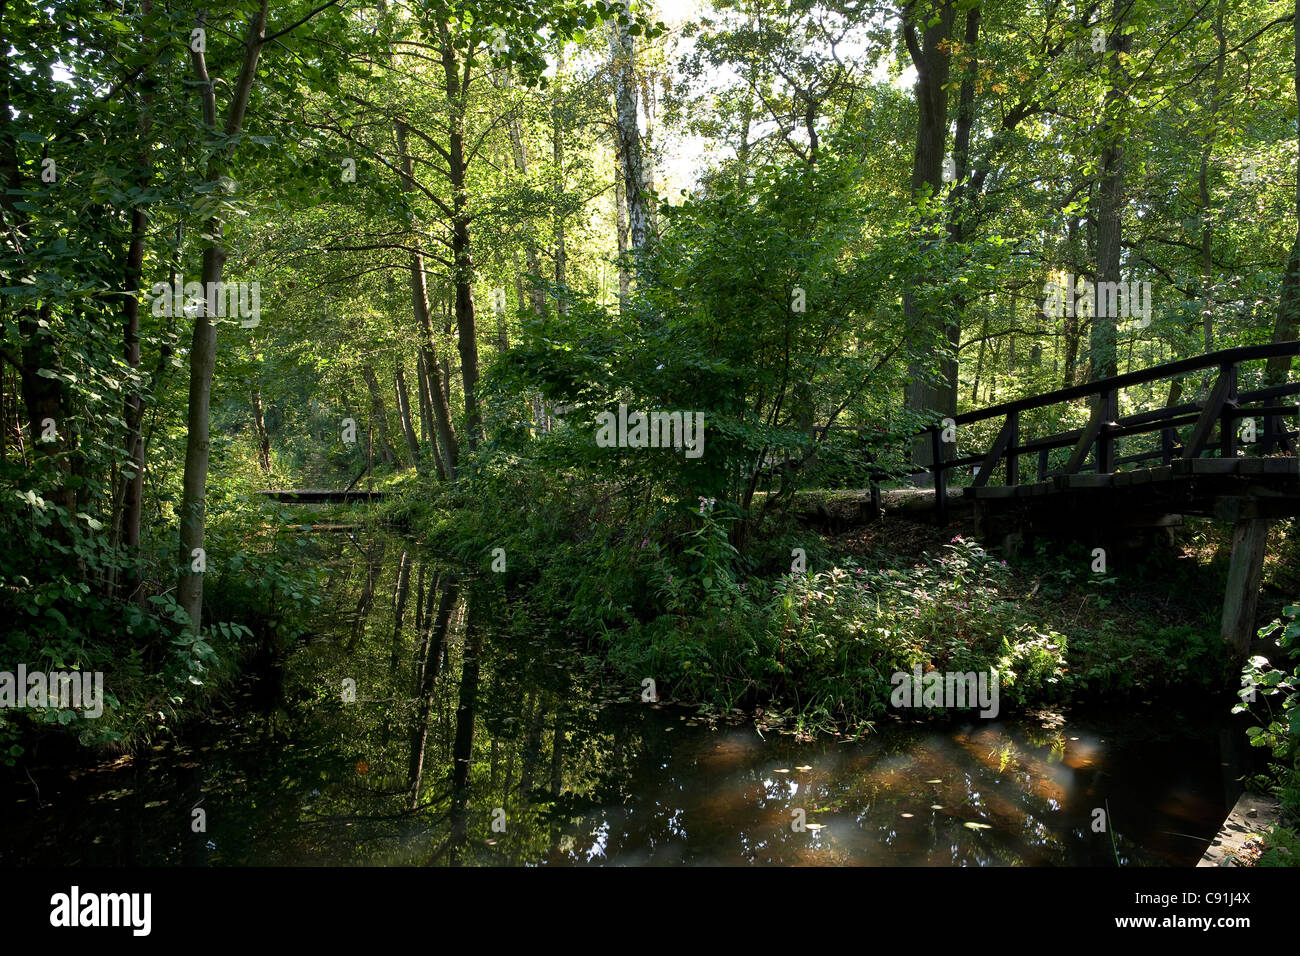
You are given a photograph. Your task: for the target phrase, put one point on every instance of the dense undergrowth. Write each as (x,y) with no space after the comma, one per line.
(663,588)
(1271,694)
(126,623)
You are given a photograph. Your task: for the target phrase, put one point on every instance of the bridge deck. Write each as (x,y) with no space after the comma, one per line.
(1218,487)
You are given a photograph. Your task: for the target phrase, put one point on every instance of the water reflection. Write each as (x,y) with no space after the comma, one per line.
(474,741)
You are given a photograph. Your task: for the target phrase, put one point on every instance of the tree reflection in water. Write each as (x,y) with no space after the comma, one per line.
(464,707)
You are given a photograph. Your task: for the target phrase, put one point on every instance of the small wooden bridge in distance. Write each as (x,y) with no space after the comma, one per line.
(327,496)
(1198,464)
(321,496)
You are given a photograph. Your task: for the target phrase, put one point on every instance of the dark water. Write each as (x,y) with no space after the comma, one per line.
(474,741)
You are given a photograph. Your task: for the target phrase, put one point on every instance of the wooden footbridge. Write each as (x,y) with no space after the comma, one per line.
(326,496)
(321,496)
(1231,455)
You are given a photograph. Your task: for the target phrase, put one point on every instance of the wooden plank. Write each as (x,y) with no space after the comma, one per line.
(1270,466)
(1214,466)
(1237,626)
(1077,482)
(1081,448)
(994,491)
(1224,385)
(998,449)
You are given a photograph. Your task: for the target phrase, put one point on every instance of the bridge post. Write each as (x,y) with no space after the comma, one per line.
(1013,440)
(1241,597)
(1227,418)
(1166,445)
(940,476)
(1268,436)
(1108,409)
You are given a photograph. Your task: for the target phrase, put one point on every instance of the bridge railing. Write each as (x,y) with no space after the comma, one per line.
(1222,408)
(1096,441)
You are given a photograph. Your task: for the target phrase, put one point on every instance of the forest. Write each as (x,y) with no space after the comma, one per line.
(453,397)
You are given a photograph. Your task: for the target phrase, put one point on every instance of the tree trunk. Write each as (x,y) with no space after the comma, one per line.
(446,445)
(263,440)
(462,259)
(1288,306)
(557,157)
(931,59)
(536,297)
(623,52)
(425,390)
(620,220)
(42,397)
(404,412)
(979,362)
(649,154)
(1203,184)
(1102,340)
(378,415)
(203,348)
(133,413)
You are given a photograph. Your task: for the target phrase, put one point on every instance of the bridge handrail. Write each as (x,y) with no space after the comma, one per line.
(1221,407)
(1233,356)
